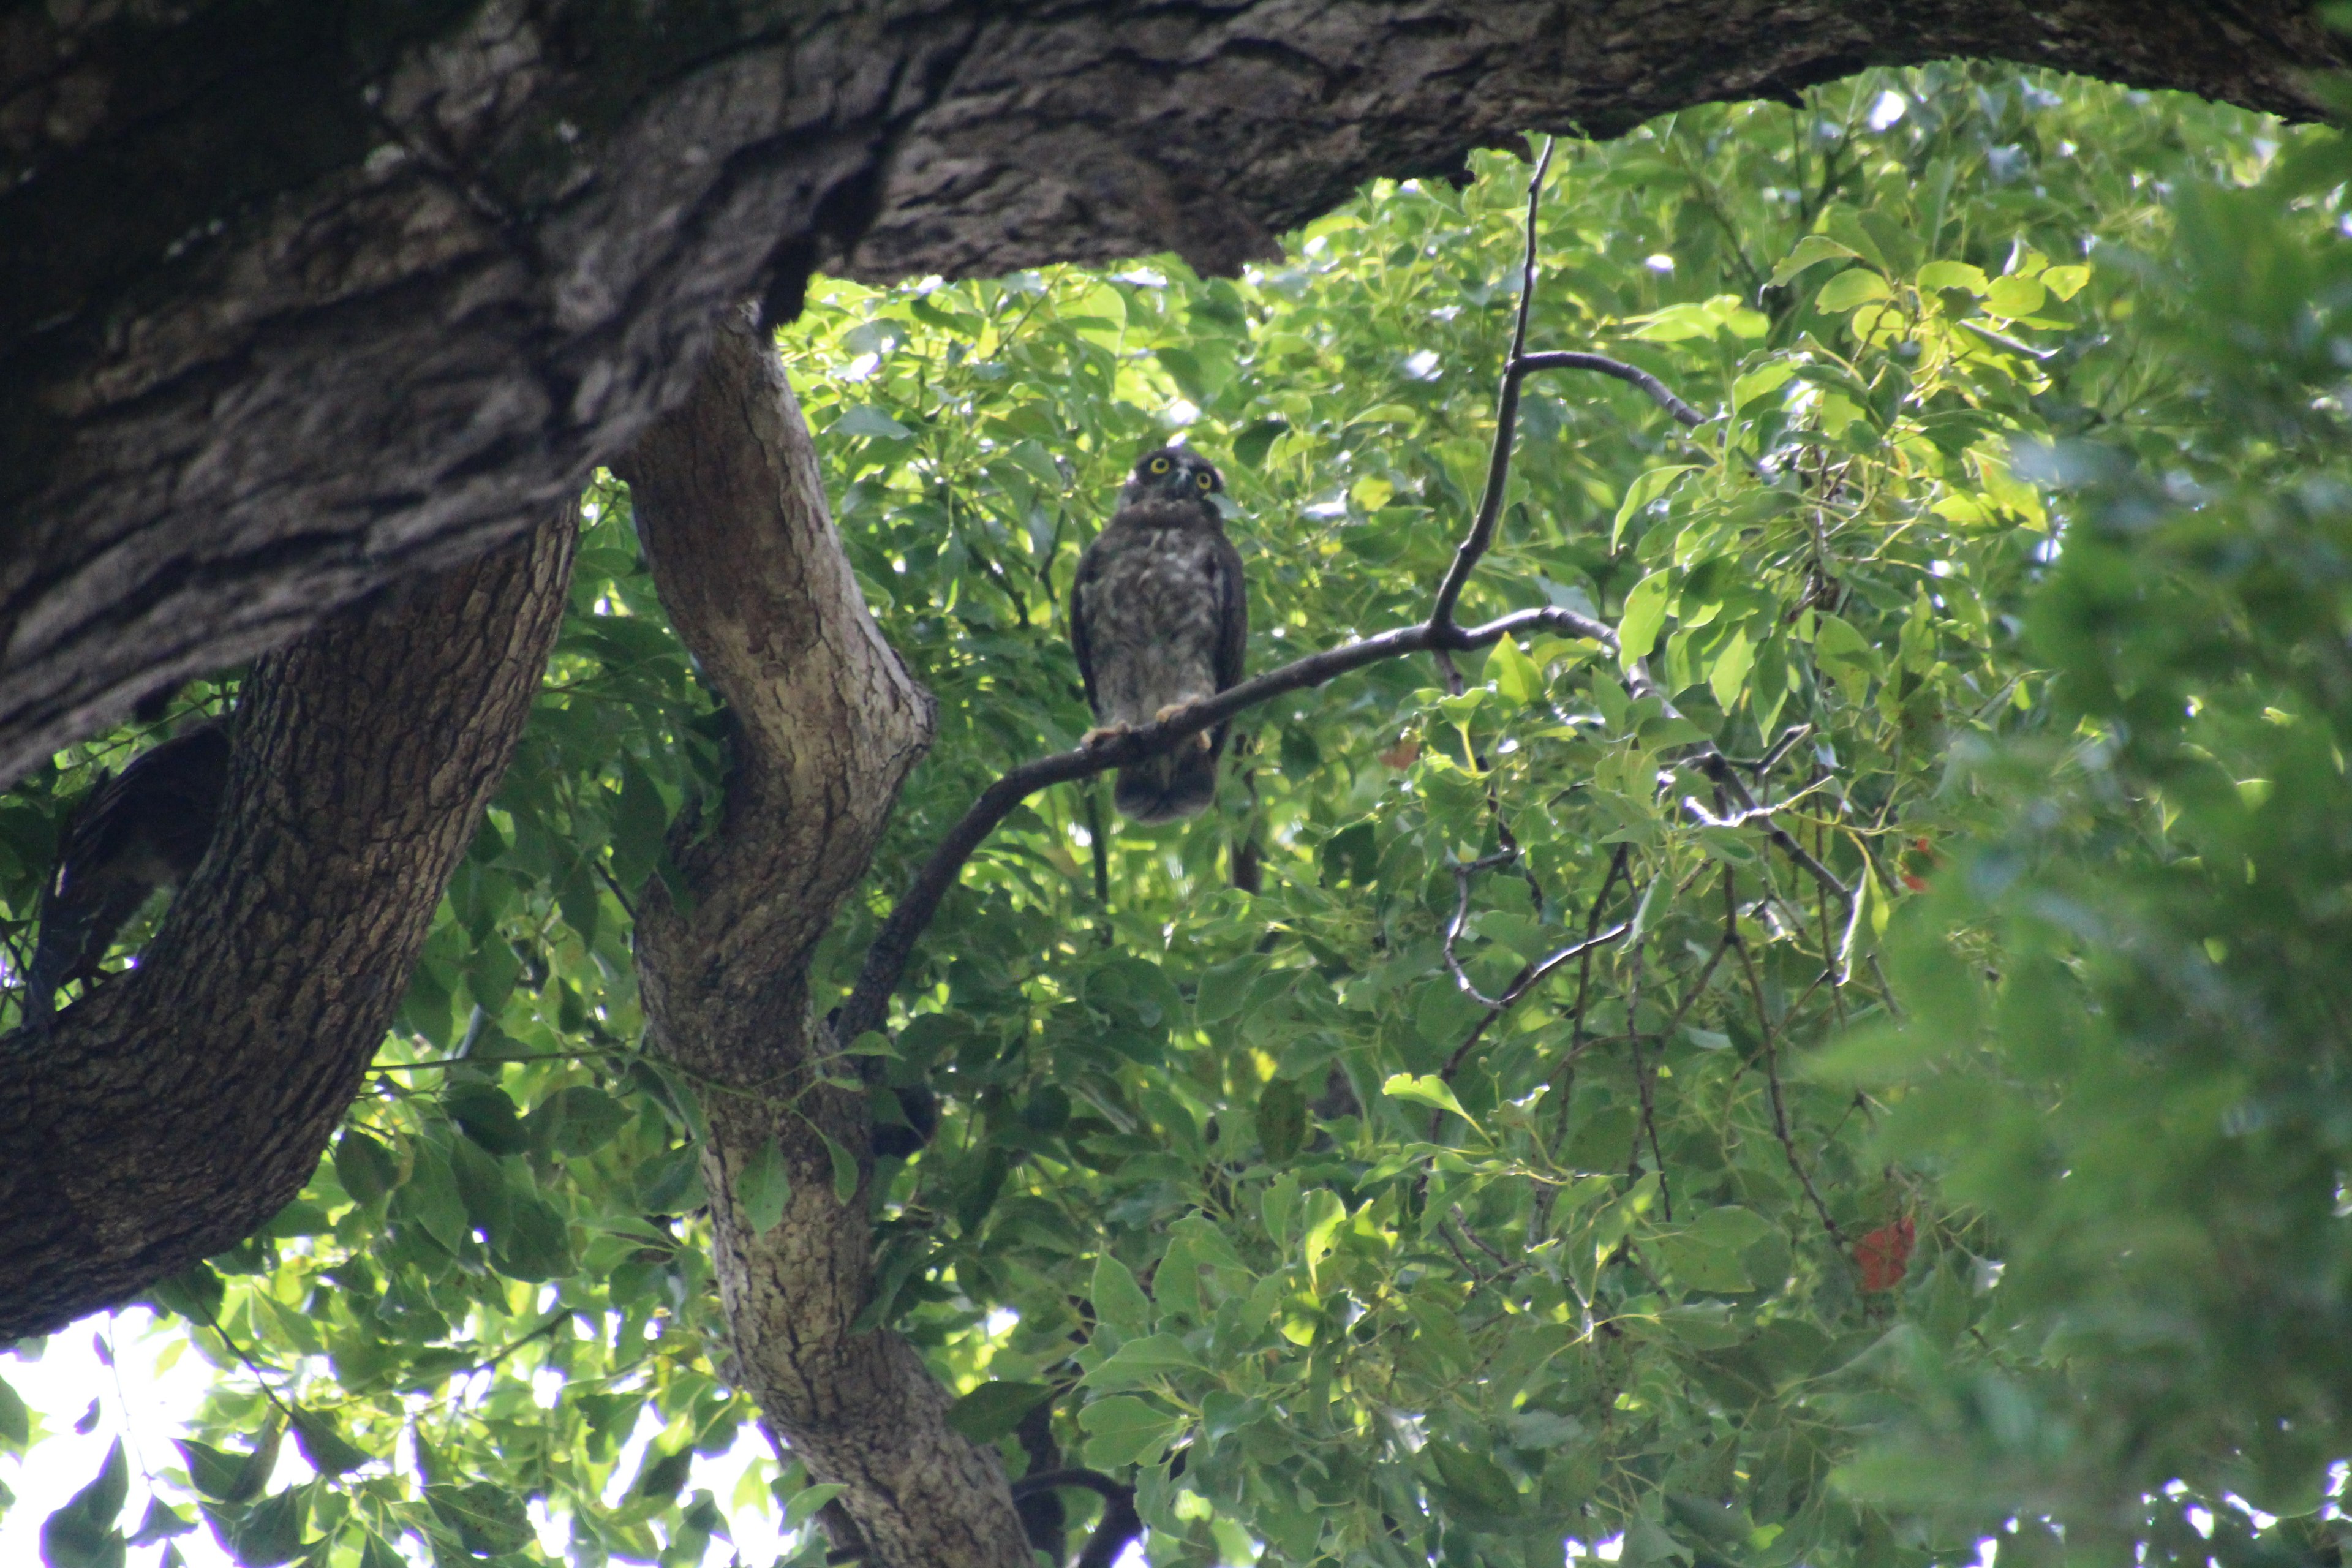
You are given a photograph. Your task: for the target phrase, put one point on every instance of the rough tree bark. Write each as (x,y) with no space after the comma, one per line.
(732,515)
(298,299)
(179,1107)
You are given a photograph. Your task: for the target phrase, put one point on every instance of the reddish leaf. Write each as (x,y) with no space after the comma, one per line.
(1884,1254)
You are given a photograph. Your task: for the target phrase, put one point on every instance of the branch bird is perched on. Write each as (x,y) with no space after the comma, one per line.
(1160,619)
(142,830)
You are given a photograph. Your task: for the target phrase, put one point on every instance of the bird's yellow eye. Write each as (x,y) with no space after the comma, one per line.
(1203,480)
(1159,465)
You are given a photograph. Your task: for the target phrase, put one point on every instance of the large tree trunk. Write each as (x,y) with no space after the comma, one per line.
(732,515)
(297,299)
(176,1109)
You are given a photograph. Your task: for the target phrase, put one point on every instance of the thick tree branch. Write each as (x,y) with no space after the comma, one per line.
(296,300)
(183,1104)
(732,513)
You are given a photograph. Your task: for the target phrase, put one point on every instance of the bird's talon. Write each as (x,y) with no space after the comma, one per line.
(1096,736)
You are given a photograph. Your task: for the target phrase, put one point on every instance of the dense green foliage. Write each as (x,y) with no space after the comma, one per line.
(2026,497)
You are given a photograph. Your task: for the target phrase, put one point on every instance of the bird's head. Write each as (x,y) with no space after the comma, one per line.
(1173,474)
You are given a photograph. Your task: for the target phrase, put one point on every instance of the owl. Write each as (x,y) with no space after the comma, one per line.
(144,829)
(1159,618)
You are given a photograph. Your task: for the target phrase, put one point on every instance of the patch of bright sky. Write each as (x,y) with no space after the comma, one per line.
(145,1406)
(152,1394)
(1888,109)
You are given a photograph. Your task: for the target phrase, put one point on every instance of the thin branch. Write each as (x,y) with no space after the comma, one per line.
(1507,419)
(1631,375)
(1529,978)
(1094,1481)
(1646,1083)
(629,905)
(1562,1076)
(250,1365)
(1718,770)
(1732,939)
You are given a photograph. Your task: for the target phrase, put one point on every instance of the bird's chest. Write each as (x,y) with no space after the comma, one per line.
(1157,589)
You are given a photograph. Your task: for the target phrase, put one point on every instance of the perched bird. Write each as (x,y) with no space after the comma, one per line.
(1160,619)
(142,830)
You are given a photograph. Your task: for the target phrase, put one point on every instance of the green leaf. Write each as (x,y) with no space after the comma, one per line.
(867,420)
(486,1116)
(1641,493)
(1124,1430)
(365,1167)
(585,1119)
(1281,1120)
(1705,1254)
(323,1446)
(536,1244)
(430,1197)
(1141,1361)
(1811,251)
(993,1409)
(161,1524)
(1952,275)
(1118,1299)
(2013,297)
(1223,989)
(270,1531)
(1424,1088)
(1644,616)
(233,1477)
(1728,675)
(1857,285)
(671,1182)
(1766,378)
(1514,673)
(806,1502)
(489,1519)
(763,1186)
(845,1175)
(16,1418)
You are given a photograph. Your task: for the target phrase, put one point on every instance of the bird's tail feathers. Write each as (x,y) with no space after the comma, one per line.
(1179,784)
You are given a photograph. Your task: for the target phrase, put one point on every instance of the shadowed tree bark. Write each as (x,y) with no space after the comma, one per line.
(175,1111)
(731,512)
(298,300)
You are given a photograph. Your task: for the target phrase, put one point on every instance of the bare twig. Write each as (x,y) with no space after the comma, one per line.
(1646,1083)
(1531,976)
(251,1366)
(1619,864)
(1631,375)
(1507,418)
(1733,940)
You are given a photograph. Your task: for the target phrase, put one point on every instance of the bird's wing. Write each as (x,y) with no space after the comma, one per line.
(169,793)
(1232,611)
(1089,568)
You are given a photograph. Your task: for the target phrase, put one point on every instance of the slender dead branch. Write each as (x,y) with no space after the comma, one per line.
(1733,940)
(1481,536)
(1631,375)
(1646,1083)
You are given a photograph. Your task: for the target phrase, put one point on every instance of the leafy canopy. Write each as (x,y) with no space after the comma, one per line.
(1994,1191)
